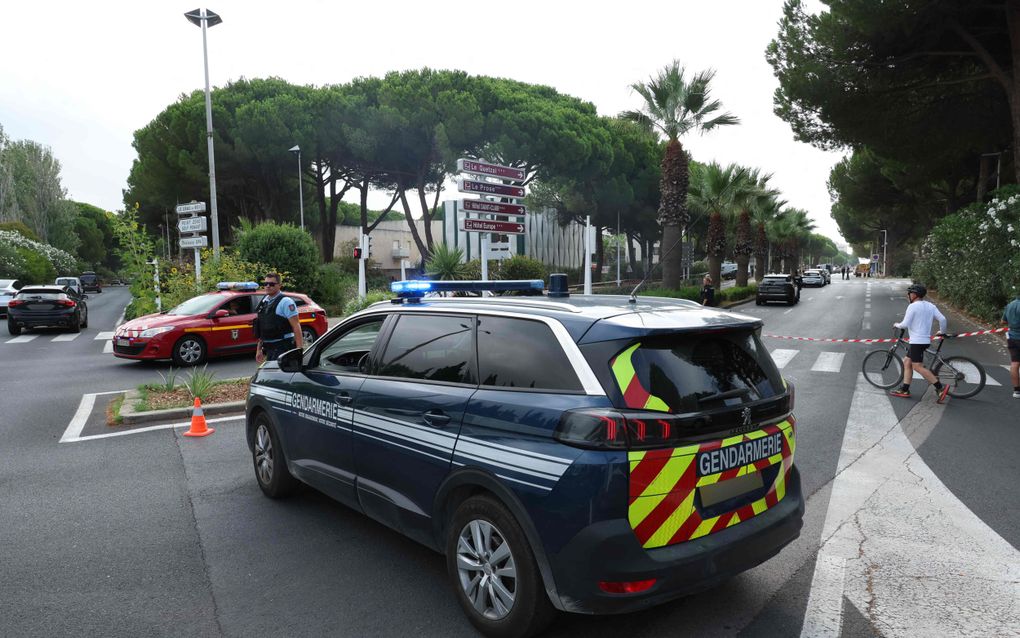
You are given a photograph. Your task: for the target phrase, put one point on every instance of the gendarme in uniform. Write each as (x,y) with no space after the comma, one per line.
(273,328)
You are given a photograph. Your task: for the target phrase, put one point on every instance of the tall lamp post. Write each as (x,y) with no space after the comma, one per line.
(885,242)
(205,19)
(301,189)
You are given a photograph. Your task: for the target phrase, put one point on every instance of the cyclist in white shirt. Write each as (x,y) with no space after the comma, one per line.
(917,321)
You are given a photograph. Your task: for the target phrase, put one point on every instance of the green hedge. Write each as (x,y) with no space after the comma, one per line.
(972,257)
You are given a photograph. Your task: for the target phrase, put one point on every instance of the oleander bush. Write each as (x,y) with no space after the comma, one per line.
(972,257)
(36,262)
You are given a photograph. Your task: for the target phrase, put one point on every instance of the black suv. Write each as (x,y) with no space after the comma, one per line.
(90,282)
(778,288)
(591,454)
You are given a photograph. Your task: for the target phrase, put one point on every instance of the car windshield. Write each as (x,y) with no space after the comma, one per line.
(196,305)
(685,373)
(775,280)
(66,281)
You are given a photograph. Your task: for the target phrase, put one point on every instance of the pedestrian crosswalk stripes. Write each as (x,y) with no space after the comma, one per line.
(834,362)
(104,335)
(22,339)
(783,357)
(71,336)
(828,362)
(61,337)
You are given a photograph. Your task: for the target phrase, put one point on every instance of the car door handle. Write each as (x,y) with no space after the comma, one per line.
(436,418)
(343,398)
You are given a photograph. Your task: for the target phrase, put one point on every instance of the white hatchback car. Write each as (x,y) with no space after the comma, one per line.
(8,288)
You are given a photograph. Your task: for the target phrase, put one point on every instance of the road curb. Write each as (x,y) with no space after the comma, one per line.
(129,416)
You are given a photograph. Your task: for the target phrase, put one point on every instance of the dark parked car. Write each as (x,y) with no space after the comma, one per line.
(584,453)
(90,282)
(47,306)
(778,288)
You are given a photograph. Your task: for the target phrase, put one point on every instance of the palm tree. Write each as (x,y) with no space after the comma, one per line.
(718,191)
(760,196)
(763,213)
(792,228)
(674,106)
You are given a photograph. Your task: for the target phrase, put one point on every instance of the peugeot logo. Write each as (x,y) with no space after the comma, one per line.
(746,417)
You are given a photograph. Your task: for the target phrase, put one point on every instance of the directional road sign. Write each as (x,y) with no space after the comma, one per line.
(194,242)
(193,207)
(192,225)
(485,188)
(486,226)
(482,206)
(490,170)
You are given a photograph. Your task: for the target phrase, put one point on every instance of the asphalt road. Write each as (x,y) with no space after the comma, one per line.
(157,534)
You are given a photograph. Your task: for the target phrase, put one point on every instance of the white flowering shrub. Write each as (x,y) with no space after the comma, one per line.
(11,263)
(972,257)
(63,262)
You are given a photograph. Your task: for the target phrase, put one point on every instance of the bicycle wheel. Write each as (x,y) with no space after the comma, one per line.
(883,369)
(965,377)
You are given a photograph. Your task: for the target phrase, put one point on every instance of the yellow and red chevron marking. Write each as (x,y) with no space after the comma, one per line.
(663,484)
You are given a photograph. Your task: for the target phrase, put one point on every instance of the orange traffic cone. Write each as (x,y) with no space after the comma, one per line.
(198,426)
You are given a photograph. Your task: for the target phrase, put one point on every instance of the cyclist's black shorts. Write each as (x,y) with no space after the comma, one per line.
(1014,349)
(916,352)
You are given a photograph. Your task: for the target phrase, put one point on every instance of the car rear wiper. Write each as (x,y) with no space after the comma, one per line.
(725,395)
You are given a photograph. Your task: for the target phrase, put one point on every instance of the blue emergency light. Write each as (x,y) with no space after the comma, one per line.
(415,289)
(237,285)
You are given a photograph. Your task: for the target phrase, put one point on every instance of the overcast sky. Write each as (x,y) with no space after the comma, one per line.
(81,77)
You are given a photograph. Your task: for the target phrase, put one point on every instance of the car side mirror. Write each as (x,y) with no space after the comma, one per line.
(219,314)
(290,361)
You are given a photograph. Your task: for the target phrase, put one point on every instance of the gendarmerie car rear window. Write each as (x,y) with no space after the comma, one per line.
(687,373)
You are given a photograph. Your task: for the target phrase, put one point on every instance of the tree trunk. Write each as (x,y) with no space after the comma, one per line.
(715,270)
(742,262)
(671,264)
(630,254)
(425,254)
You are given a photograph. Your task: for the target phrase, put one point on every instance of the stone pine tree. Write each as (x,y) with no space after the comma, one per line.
(675,104)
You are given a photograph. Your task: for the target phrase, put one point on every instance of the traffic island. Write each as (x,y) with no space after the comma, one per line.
(148,404)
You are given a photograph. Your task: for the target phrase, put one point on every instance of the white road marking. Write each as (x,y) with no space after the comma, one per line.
(839,296)
(867,305)
(74,428)
(782,357)
(867,313)
(71,336)
(151,428)
(103,335)
(22,339)
(108,347)
(788,311)
(867,325)
(898,544)
(970,373)
(828,362)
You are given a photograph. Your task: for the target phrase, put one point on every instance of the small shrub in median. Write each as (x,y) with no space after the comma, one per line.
(373,296)
(199,382)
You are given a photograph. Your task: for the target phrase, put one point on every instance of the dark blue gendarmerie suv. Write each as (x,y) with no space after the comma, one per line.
(590,454)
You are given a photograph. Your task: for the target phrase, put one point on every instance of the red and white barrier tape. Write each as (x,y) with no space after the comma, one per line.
(961,334)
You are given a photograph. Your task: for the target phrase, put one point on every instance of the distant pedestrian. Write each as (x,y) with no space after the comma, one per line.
(707,292)
(917,321)
(277,326)
(1011,317)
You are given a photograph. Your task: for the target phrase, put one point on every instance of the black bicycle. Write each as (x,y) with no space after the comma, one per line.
(964,376)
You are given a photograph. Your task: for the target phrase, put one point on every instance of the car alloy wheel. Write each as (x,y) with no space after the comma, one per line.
(308,336)
(271,472)
(263,454)
(487,570)
(189,351)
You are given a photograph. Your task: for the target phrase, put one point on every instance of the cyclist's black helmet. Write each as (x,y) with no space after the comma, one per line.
(918,290)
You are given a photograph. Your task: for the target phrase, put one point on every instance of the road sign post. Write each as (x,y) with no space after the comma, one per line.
(194,224)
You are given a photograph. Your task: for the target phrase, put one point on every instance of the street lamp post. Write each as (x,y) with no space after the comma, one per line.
(301,190)
(205,19)
(885,243)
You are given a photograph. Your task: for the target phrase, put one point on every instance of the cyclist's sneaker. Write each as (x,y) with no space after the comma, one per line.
(943,393)
(1016,394)
(901,393)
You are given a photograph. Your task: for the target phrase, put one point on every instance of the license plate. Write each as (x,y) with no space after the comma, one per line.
(123,342)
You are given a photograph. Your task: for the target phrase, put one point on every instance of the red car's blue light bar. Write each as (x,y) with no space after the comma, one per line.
(237,285)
